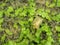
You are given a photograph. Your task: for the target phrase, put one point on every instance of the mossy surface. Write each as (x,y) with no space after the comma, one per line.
(29,22)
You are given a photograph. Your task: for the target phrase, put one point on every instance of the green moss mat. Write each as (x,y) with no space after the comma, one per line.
(29,22)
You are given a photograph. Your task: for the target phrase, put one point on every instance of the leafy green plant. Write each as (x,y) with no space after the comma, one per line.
(16,22)
(58,3)
(56,18)
(44,14)
(57,28)
(1,14)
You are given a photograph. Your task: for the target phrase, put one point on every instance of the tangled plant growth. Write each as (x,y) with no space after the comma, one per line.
(29,22)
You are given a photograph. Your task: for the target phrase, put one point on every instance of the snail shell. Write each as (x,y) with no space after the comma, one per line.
(37,22)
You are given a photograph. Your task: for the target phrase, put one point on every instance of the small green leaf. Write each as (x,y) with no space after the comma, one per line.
(18,11)
(15,25)
(10,9)
(56,18)
(57,28)
(1,14)
(24,42)
(52,5)
(48,10)
(3,37)
(31,19)
(8,32)
(47,3)
(11,43)
(1,20)
(45,15)
(58,3)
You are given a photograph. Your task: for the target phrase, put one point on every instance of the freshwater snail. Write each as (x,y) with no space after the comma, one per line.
(37,22)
